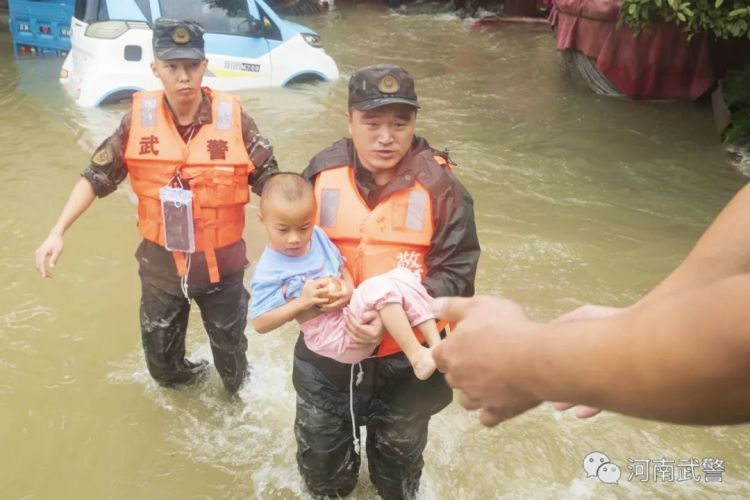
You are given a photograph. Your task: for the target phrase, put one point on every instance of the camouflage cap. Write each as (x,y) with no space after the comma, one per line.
(381,84)
(178,39)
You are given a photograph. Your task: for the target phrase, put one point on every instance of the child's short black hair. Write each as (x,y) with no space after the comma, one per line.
(291,187)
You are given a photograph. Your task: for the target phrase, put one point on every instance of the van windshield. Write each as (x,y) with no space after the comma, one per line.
(216,16)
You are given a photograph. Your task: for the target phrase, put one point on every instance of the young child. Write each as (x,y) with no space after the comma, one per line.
(301,276)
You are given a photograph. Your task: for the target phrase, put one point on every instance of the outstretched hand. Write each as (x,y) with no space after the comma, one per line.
(581,411)
(52,247)
(482,355)
(586,311)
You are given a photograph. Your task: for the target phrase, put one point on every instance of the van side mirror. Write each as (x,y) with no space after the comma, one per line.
(251,27)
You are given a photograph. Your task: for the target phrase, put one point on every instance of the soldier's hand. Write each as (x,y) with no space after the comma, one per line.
(369,331)
(52,247)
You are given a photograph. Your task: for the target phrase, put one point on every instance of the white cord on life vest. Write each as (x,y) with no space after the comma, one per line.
(352,384)
(184,279)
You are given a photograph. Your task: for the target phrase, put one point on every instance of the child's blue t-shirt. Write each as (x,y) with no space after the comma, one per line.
(278,278)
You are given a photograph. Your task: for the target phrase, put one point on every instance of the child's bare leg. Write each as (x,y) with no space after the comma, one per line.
(430,332)
(395,321)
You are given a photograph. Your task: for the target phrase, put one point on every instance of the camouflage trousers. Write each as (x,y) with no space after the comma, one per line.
(164,321)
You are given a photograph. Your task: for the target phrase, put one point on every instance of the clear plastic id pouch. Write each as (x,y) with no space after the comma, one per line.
(177,214)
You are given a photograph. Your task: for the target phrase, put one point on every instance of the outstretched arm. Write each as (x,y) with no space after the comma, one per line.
(101,177)
(722,251)
(79,200)
(681,358)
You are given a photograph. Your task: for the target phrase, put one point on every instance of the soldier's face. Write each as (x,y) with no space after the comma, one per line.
(181,78)
(382,136)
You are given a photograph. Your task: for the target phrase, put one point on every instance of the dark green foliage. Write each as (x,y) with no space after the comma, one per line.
(724,18)
(737,96)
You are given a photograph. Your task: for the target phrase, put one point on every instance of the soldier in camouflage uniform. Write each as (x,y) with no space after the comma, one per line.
(180,63)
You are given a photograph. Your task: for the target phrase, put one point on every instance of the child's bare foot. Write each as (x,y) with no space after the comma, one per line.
(423,364)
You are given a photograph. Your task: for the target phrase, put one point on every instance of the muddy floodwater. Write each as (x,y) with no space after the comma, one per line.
(578,199)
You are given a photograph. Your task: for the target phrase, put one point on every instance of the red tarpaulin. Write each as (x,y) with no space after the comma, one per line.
(660,63)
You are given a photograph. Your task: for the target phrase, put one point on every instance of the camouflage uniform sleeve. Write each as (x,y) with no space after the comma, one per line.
(107,168)
(260,151)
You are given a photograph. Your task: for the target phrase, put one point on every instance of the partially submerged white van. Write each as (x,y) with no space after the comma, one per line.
(247,46)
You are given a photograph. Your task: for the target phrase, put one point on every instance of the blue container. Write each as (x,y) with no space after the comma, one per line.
(41,27)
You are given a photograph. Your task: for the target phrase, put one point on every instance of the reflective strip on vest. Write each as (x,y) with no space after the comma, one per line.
(148,112)
(329,207)
(415,211)
(224,115)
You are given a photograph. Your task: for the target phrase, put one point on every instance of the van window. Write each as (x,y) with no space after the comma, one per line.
(229,17)
(96,10)
(270,30)
(145,7)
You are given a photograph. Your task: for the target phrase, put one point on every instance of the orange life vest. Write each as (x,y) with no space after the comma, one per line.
(396,233)
(214,162)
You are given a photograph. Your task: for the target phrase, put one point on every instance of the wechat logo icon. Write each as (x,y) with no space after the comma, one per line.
(597,464)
